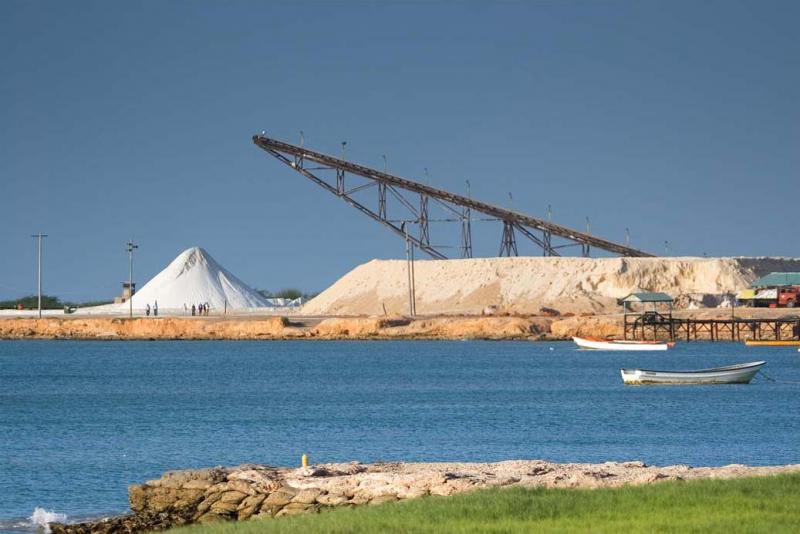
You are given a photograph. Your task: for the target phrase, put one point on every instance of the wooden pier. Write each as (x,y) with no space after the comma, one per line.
(653,325)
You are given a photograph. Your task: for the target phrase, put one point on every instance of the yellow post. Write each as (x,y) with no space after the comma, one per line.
(304,460)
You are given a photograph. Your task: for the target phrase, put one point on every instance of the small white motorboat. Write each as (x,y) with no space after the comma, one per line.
(741,373)
(619,344)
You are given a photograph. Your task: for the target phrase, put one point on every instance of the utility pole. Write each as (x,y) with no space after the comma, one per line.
(39,237)
(412,308)
(131,247)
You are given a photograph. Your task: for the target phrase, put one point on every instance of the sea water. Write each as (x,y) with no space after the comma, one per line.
(80,421)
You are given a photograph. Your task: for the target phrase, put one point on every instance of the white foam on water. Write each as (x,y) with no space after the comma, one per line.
(42,518)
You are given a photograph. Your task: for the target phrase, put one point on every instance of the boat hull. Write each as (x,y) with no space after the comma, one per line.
(599,344)
(733,374)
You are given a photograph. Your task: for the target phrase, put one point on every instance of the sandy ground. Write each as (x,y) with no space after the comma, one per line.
(524,285)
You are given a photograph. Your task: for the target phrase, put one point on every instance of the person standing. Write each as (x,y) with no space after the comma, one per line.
(193,310)
(147,310)
(155,309)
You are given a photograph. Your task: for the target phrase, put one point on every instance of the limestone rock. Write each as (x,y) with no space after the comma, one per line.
(307,496)
(232,496)
(332,499)
(281,497)
(224,508)
(252,500)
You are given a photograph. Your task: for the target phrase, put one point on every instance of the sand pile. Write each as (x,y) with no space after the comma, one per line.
(526,284)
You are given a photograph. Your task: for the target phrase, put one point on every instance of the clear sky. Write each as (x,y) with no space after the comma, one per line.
(679,120)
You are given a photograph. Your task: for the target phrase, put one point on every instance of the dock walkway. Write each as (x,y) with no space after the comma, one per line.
(657,326)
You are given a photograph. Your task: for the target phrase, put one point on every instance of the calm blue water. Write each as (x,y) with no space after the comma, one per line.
(79,421)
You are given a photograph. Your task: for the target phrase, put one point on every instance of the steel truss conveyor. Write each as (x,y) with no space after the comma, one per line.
(537,230)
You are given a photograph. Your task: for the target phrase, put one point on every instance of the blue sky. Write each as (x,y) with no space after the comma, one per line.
(679,120)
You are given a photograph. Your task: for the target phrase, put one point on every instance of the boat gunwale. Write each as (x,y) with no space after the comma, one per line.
(734,367)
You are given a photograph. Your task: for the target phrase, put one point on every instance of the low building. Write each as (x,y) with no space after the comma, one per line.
(775,290)
(128,290)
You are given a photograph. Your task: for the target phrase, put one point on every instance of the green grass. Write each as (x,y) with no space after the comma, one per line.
(766,504)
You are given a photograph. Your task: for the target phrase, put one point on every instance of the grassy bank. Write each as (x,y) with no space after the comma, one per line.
(768,504)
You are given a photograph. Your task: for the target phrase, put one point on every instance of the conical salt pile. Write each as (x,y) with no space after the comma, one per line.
(194,277)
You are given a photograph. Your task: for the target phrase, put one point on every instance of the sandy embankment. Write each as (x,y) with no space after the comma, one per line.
(442,327)
(275,328)
(263,492)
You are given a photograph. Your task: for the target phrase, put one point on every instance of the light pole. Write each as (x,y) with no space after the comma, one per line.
(131,247)
(344,144)
(412,305)
(39,237)
(385,165)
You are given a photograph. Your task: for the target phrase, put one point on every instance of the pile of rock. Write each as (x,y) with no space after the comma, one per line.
(259,491)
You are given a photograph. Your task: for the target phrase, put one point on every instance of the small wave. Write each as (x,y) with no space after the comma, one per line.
(42,518)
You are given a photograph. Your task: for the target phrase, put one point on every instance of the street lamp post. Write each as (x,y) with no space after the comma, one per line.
(39,237)
(131,247)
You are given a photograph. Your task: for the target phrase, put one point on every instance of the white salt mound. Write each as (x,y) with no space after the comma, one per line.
(194,277)
(526,284)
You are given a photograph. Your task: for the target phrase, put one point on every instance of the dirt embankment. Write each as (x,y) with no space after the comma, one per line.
(441,327)
(151,328)
(263,492)
(275,328)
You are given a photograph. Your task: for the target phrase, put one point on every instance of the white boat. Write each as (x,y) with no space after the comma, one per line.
(741,373)
(618,344)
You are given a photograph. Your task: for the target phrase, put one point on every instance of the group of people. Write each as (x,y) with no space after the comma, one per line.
(196,309)
(200,309)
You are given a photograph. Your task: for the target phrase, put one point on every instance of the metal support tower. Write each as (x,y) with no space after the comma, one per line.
(424,233)
(459,208)
(508,245)
(466,235)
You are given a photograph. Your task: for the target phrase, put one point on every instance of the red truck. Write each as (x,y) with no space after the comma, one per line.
(788,296)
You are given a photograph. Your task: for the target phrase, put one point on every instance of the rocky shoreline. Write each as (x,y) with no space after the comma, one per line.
(281,328)
(255,492)
(550,327)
